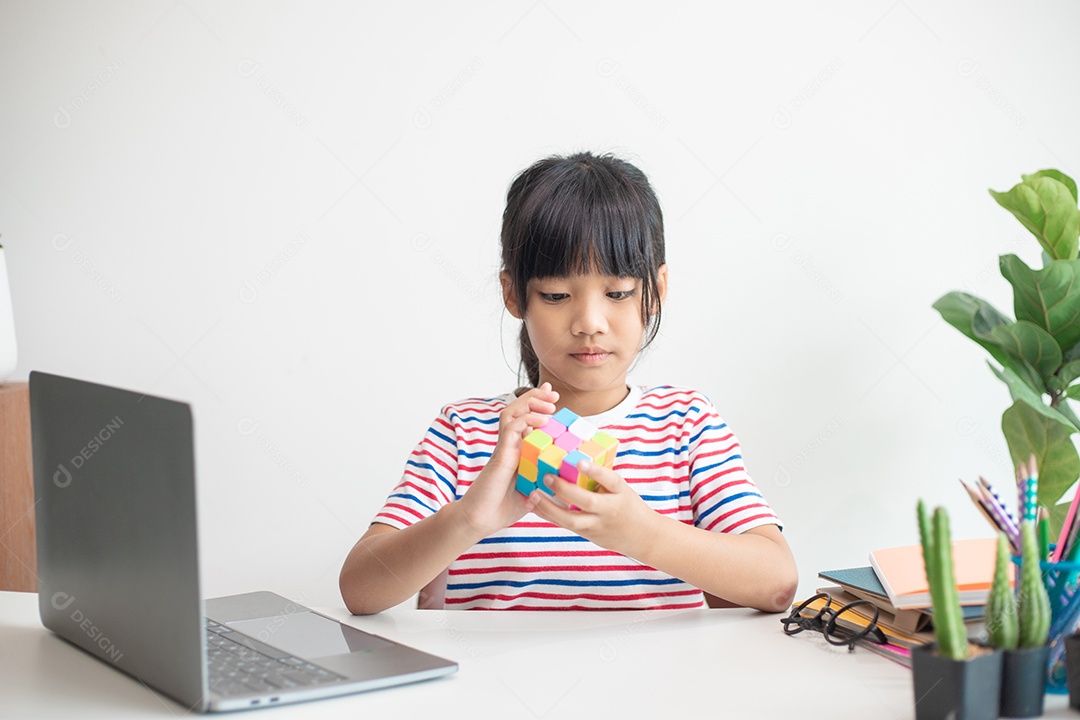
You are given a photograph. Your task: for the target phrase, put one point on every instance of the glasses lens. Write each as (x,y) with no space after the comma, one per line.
(803,618)
(848,626)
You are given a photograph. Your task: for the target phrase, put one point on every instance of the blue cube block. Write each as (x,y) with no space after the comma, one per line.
(541,486)
(565,417)
(525,486)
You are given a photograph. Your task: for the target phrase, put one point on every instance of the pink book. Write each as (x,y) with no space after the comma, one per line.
(903,574)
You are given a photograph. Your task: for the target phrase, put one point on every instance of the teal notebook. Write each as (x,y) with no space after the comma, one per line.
(866,580)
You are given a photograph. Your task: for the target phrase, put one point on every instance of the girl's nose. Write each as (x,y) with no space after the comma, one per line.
(589,318)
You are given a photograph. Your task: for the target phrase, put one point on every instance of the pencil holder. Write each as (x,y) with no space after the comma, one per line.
(1062,580)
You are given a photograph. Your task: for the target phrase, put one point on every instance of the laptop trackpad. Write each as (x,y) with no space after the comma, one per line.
(308,635)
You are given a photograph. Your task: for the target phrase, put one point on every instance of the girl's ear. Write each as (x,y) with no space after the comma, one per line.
(509,296)
(661,283)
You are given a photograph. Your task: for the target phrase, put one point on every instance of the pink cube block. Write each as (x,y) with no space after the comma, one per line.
(569,471)
(554,428)
(568,441)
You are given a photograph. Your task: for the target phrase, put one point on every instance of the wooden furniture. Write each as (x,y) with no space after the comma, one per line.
(18,559)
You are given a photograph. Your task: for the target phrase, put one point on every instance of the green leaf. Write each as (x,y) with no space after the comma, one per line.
(1065,376)
(996,333)
(1057,175)
(1028,432)
(973,317)
(1022,393)
(1031,347)
(1073,392)
(1065,409)
(1049,298)
(1046,208)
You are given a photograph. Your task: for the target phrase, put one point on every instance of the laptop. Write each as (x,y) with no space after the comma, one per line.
(118,566)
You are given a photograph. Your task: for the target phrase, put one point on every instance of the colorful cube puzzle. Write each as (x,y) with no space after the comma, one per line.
(558,447)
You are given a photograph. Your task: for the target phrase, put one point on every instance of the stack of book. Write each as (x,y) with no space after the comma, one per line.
(895,584)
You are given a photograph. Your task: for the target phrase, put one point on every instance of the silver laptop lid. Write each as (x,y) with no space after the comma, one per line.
(118,576)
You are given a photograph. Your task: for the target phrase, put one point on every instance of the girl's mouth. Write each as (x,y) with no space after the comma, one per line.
(590,358)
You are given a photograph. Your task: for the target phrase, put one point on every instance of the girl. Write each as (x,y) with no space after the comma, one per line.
(678,522)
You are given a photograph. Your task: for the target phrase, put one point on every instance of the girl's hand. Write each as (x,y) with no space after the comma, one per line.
(493,502)
(614,517)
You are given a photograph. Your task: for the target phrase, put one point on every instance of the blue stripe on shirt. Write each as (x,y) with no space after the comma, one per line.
(654,453)
(445,438)
(707,468)
(425,466)
(726,500)
(661,498)
(657,418)
(413,498)
(472,418)
(478,453)
(694,438)
(519,538)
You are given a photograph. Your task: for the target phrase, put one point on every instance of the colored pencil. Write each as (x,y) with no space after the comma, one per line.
(1044,536)
(979,503)
(1005,520)
(987,489)
(1027,483)
(1068,533)
(994,517)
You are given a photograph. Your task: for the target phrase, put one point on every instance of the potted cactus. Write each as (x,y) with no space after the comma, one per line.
(1018,624)
(952,678)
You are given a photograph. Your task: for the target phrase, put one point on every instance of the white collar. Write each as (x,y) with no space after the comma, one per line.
(620,411)
(608,417)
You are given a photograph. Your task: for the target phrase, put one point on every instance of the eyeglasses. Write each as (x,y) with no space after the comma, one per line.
(840,626)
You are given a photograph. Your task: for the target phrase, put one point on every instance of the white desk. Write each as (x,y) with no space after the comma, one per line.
(519,665)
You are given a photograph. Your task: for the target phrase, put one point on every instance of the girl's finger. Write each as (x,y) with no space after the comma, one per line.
(529,402)
(606,478)
(548,509)
(538,405)
(544,392)
(578,497)
(509,444)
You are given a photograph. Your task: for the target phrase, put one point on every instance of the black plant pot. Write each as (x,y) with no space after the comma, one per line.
(956,689)
(1072,668)
(1023,681)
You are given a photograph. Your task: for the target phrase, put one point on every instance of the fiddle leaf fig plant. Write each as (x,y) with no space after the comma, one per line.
(1037,355)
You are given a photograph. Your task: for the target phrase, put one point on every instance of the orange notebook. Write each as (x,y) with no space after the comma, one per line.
(903,574)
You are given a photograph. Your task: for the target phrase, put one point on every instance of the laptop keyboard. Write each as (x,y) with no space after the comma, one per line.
(241,665)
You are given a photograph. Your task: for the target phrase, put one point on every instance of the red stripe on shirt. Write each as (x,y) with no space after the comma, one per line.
(742,508)
(550,568)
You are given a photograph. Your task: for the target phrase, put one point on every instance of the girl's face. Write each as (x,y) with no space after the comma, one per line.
(586,331)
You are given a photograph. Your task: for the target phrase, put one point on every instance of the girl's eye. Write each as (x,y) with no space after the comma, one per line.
(553,297)
(620,294)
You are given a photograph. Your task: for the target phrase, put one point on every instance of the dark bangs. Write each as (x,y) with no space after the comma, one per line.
(583,214)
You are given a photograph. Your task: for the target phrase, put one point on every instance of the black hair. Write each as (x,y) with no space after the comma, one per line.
(577,214)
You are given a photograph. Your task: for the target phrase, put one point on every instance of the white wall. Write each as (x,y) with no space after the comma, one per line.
(289,215)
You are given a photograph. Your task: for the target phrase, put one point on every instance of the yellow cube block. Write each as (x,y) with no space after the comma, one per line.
(532,445)
(527,470)
(610,445)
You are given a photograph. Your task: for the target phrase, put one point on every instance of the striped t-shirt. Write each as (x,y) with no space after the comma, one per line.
(674,450)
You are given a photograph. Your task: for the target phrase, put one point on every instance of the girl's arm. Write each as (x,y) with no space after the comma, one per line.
(755,569)
(388,565)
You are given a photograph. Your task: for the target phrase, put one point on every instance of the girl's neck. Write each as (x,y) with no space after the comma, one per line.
(592,402)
